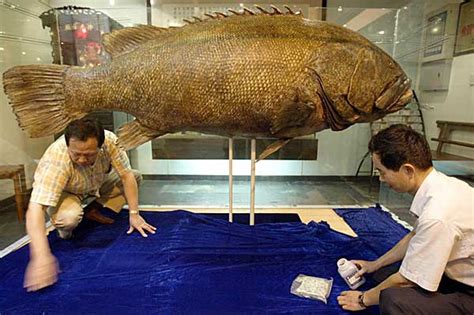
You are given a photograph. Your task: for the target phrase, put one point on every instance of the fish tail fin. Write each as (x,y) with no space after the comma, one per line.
(38,98)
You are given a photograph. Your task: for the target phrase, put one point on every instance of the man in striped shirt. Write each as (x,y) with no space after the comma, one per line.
(86,162)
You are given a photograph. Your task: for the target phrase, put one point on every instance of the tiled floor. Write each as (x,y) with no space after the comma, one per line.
(273,192)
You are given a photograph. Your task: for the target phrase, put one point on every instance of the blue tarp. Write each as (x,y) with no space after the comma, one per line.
(196,264)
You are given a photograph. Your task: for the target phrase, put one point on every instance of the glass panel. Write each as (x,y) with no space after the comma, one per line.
(22,41)
(397,27)
(191,146)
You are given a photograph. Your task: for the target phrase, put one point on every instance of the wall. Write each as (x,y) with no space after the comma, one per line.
(455,104)
(22,41)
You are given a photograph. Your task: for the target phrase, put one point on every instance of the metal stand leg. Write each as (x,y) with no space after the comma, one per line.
(231,178)
(252,181)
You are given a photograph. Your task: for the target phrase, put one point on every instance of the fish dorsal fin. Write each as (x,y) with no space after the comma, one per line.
(127,39)
(244,12)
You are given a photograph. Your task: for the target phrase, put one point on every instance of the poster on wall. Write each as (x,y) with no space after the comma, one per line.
(436,34)
(465,31)
(440,33)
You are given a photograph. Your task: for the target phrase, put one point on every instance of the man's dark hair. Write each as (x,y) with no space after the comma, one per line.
(83,129)
(399,144)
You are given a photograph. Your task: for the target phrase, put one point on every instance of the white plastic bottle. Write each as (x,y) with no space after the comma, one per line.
(348,270)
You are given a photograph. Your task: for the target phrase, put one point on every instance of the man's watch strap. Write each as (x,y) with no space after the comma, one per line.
(134,212)
(361,300)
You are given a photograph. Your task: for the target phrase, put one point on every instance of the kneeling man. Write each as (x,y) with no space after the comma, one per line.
(86,162)
(436,275)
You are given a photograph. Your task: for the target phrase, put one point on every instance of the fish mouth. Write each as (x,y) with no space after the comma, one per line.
(396,96)
(406,98)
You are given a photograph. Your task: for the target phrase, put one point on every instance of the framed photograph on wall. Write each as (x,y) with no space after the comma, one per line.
(440,33)
(465,30)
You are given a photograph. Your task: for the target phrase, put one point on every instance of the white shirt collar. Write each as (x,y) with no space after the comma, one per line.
(423,193)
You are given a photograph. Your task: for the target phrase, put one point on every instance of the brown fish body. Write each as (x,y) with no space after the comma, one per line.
(259,75)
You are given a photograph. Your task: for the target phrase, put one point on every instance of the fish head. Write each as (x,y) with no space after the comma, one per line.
(395,91)
(378,86)
(361,83)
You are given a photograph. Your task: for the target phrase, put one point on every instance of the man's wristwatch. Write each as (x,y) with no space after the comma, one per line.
(361,300)
(133,211)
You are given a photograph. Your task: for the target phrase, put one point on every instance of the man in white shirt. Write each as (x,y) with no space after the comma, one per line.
(436,275)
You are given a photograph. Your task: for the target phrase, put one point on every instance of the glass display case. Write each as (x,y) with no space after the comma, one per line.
(69,32)
(197,212)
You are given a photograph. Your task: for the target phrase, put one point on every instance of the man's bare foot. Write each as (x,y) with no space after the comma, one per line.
(92,212)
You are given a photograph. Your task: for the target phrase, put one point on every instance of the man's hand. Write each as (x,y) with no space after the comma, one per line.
(40,273)
(365,267)
(139,224)
(349,300)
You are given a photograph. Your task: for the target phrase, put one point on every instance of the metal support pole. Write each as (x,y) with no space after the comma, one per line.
(252,181)
(60,47)
(231,178)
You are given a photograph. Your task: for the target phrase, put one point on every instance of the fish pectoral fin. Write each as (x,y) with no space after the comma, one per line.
(127,39)
(292,113)
(275,146)
(133,134)
(331,109)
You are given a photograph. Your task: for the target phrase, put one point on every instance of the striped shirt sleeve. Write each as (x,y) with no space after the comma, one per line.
(118,157)
(51,176)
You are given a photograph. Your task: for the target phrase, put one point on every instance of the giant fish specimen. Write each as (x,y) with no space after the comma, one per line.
(270,74)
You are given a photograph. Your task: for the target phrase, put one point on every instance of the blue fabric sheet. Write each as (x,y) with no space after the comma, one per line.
(194,264)
(374,227)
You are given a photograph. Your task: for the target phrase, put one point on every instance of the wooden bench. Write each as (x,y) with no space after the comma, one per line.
(17,174)
(445,129)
